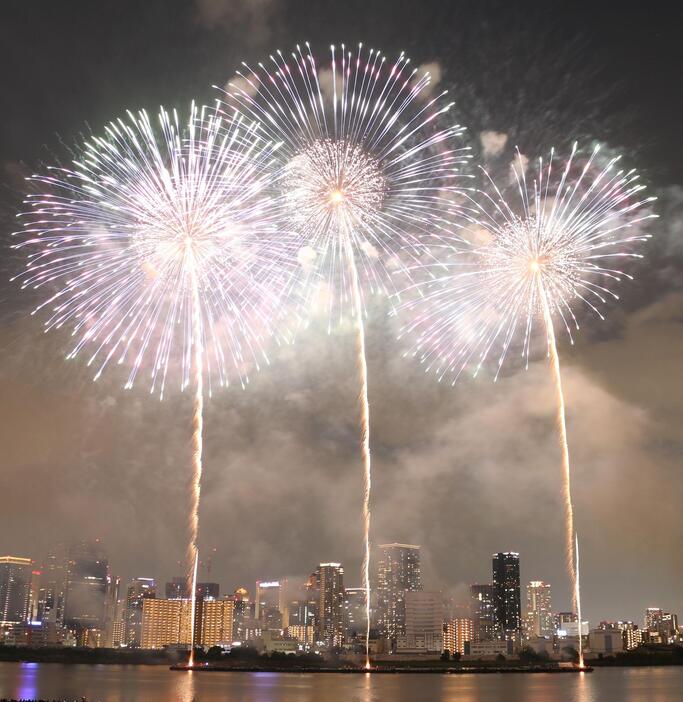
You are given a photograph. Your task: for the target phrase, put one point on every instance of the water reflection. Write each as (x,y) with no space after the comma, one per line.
(158,684)
(28,681)
(185,687)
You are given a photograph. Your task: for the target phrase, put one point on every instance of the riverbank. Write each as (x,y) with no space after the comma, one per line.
(385,670)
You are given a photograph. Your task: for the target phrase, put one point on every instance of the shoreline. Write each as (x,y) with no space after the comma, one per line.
(385,670)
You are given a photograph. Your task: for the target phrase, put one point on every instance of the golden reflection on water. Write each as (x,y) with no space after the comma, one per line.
(185,687)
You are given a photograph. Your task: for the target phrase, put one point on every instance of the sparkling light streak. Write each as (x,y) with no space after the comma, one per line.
(161,248)
(548,259)
(371,162)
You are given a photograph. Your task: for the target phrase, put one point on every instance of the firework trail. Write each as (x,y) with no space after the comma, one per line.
(158,248)
(577,596)
(370,163)
(556,253)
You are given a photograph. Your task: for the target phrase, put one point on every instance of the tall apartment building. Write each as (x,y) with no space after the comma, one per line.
(538,620)
(483,612)
(330,619)
(507,593)
(398,572)
(16,574)
(456,633)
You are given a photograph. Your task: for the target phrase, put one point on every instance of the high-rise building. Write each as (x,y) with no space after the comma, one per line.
(398,572)
(167,622)
(539,617)
(217,622)
(177,589)
(241,612)
(653,617)
(111,610)
(662,626)
(139,590)
(330,619)
(270,604)
(507,593)
(208,590)
(424,622)
(53,586)
(87,577)
(355,613)
(15,589)
(483,612)
(456,633)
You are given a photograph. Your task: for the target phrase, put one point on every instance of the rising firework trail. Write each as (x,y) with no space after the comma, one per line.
(545,258)
(371,162)
(158,248)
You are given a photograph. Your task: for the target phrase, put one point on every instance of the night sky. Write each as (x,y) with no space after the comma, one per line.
(464,471)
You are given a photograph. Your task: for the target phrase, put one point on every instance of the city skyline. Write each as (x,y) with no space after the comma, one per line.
(524,604)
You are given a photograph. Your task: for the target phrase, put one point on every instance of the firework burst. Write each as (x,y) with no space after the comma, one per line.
(157,247)
(560,250)
(371,163)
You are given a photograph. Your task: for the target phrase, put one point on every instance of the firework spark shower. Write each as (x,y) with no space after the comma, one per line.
(559,249)
(371,162)
(156,247)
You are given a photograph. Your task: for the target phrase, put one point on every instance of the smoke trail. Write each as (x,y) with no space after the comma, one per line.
(197,444)
(570,557)
(361,363)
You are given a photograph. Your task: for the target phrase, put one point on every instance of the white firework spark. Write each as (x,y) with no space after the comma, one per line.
(566,239)
(117,239)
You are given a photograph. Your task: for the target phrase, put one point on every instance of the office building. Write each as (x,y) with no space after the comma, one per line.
(270,605)
(398,572)
(16,574)
(424,617)
(208,591)
(457,633)
(538,620)
(330,619)
(177,589)
(483,612)
(53,586)
(355,614)
(87,579)
(507,596)
(139,590)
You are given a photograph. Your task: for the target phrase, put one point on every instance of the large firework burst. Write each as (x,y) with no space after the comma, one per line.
(371,165)
(562,242)
(146,215)
(561,250)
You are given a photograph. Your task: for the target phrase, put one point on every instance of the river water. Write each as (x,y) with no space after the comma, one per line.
(115,683)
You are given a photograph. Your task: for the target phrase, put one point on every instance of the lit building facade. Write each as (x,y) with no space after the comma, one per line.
(398,572)
(330,619)
(539,611)
(16,574)
(483,612)
(457,633)
(217,622)
(355,614)
(507,595)
(139,590)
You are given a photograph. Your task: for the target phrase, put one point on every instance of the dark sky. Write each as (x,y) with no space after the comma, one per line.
(464,471)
